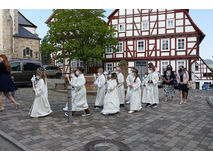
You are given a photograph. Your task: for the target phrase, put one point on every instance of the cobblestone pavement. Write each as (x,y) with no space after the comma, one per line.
(169,127)
(7,146)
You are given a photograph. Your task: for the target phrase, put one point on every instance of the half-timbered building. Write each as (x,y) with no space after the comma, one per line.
(160,36)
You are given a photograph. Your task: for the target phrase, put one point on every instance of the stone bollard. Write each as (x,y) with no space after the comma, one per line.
(69,93)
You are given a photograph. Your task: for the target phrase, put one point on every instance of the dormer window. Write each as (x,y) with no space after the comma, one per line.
(121,28)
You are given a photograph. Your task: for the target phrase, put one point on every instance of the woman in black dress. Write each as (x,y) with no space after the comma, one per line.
(6,83)
(168,78)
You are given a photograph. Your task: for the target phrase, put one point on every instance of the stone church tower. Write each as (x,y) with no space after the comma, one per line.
(18,38)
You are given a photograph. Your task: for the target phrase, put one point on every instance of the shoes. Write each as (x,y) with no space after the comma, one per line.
(87,114)
(65,109)
(154,106)
(2,110)
(96,107)
(104,113)
(17,105)
(121,105)
(148,105)
(131,112)
(128,102)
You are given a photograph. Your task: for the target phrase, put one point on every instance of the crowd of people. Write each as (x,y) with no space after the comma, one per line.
(110,89)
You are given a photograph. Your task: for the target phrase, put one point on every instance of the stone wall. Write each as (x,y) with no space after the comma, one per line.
(22,43)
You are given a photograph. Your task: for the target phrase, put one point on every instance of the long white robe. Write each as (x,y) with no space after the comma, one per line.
(41,106)
(111,100)
(135,97)
(129,81)
(73,81)
(100,83)
(79,101)
(150,91)
(121,91)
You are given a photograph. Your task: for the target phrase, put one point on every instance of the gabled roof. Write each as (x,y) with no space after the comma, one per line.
(24,33)
(50,18)
(202,35)
(24,21)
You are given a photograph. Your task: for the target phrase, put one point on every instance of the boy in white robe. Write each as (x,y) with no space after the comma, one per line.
(150,97)
(121,91)
(111,100)
(129,81)
(100,84)
(79,101)
(135,97)
(41,106)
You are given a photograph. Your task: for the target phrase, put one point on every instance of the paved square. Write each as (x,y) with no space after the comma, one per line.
(169,127)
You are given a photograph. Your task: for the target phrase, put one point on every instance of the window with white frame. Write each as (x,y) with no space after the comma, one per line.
(120,47)
(109,67)
(181,44)
(180,63)
(121,27)
(141,45)
(74,63)
(145,25)
(109,49)
(170,23)
(81,63)
(165,44)
(164,65)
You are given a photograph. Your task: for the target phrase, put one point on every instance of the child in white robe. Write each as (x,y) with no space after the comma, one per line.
(135,97)
(111,100)
(79,102)
(71,81)
(100,84)
(121,90)
(41,106)
(129,81)
(151,97)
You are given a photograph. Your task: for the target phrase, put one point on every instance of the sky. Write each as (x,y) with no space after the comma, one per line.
(201,17)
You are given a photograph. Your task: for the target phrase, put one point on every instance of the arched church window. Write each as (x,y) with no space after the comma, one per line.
(27,52)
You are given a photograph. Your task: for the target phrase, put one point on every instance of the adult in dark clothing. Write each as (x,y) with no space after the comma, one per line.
(168,79)
(182,79)
(6,83)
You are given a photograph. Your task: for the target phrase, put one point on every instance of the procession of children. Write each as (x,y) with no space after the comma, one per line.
(110,89)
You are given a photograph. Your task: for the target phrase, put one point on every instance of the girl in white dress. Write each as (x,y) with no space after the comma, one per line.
(111,100)
(41,106)
(135,97)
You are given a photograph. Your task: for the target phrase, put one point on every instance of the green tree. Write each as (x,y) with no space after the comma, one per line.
(80,34)
(45,52)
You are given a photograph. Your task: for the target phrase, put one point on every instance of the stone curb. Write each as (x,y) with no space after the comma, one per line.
(13,141)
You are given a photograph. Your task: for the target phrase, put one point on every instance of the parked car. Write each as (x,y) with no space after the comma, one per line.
(53,71)
(206,87)
(23,70)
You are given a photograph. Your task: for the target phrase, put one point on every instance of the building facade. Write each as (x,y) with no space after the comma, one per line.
(18,37)
(160,36)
